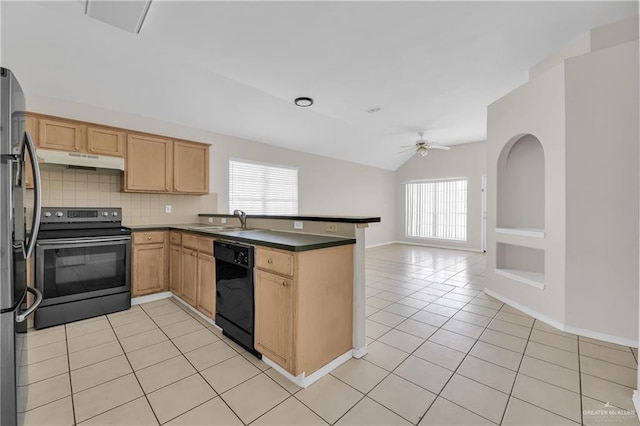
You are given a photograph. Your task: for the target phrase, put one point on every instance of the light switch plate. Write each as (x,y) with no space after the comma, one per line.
(210,220)
(332,227)
(167,208)
(223,220)
(297,225)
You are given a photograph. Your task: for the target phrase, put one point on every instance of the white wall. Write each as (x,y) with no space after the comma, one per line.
(466,160)
(325,185)
(602,191)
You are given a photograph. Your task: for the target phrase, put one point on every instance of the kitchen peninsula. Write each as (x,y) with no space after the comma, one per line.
(309,283)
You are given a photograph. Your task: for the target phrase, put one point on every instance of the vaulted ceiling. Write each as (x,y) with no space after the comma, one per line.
(235,67)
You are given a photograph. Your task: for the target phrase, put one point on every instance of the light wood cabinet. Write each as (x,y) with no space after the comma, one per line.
(60,135)
(149,270)
(189,276)
(206,297)
(31,126)
(274,317)
(103,141)
(190,167)
(175,269)
(149,164)
(304,306)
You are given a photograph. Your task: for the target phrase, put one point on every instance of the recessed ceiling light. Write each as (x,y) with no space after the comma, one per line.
(373,109)
(303,101)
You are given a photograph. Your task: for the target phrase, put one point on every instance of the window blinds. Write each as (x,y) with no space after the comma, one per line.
(437,209)
(262,188)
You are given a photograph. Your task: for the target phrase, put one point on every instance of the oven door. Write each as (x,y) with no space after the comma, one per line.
(75,269)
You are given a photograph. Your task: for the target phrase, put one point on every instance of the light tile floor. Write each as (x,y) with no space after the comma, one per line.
(440,352)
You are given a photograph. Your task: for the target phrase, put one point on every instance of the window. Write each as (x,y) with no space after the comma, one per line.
(437,209)
(262,188)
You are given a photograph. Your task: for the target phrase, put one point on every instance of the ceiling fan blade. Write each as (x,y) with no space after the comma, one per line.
(408,146)
(446,148)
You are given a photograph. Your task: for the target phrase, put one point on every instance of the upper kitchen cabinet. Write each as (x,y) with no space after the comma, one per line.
(149,164)
(190,167)
(60,135)
(31,126)
(104,141)
(156,164)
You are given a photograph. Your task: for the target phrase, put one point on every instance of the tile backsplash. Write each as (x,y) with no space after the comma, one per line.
(64,187)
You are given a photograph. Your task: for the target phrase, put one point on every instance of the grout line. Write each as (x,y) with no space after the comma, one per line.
(580,383)
(73,405)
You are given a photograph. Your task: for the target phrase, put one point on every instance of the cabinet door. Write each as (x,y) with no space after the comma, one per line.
(189,276)
(190,167)
(274,317)
(206,285)
(148,269)
(104,141)
(175,269)
(31,126)
(60,135)
(148,164)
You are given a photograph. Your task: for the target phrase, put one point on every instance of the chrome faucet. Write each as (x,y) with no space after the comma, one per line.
(242,216)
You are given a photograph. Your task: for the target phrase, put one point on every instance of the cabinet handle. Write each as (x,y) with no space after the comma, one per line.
(77,148)
(270,261)
(148,238)
(284,284)
(92,149)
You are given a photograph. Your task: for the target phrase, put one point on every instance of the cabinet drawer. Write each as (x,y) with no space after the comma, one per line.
(190,241)
(152,237)
(175,238)
(205,245)
(275,261)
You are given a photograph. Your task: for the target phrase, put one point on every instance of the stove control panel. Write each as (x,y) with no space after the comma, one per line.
(80,214)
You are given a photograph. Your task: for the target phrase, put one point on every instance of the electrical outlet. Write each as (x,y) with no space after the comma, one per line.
(332,227)
(223,220)
(167,208)
(297,225)
(210,220)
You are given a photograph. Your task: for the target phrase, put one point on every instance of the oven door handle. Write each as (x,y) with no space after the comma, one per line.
(37,194)
(21,317)
(65,241)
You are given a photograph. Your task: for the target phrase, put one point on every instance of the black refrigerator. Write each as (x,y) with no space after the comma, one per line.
(16,246)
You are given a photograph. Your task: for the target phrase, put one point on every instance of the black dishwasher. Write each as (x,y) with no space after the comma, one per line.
(235,304)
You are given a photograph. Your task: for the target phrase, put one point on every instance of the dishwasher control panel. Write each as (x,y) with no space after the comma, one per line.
(232,252)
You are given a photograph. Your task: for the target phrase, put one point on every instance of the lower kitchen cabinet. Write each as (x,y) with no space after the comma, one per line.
(304,306)
(175,269)
(149,271)
(274,317)
(189,276)
(206,298)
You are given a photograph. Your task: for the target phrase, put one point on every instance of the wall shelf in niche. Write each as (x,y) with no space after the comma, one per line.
(534,279)
(524,232)
(520,263)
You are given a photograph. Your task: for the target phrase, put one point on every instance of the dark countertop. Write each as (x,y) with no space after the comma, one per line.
(291,241)
(340,219)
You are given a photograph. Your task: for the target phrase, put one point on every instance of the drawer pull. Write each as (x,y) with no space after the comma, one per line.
(284,284)
(270,261)
(148,238)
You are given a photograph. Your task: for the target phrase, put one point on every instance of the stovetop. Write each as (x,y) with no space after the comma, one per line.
(81,222)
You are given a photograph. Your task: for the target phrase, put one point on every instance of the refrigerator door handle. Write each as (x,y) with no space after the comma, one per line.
(37,195)
(21,317)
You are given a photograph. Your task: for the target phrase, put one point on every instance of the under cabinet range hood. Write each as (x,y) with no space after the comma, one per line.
(48,156)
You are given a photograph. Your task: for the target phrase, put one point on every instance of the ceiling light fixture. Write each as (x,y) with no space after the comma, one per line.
(303,102)
(373,109)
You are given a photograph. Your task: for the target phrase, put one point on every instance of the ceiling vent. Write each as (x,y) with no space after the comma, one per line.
(126,15)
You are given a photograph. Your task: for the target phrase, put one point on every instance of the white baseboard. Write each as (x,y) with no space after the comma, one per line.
(562,326)
(360,352)
(151,298)
(636,402)
(302,379)
(412,243)
(381,244)
(195,311)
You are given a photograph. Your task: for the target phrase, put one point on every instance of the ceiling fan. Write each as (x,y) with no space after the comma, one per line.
(422,146)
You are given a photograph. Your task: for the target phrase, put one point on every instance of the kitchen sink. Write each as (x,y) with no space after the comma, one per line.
(214,228)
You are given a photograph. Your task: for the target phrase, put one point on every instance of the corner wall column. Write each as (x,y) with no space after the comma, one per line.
(359,294)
